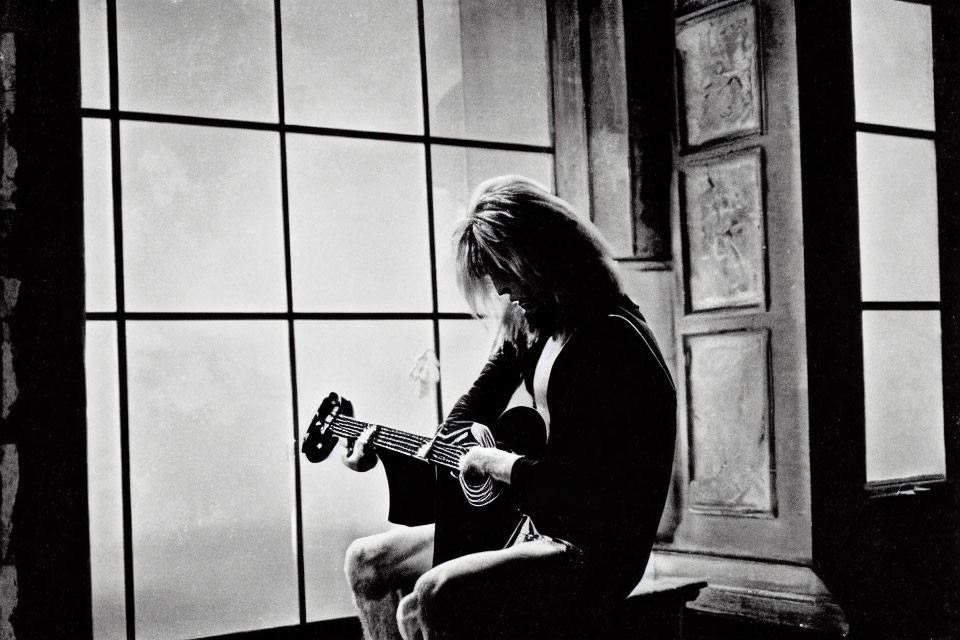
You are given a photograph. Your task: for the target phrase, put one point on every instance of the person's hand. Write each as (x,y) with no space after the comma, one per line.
(356,457)
(478,463)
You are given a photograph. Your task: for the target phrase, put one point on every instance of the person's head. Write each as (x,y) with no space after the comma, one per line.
(521,241)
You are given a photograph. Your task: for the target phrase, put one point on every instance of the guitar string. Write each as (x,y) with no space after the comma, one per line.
(403,442)
(410,440)
(441,455)
(408,443)
(440,452)
(414,441)
(480,495)
(386,444)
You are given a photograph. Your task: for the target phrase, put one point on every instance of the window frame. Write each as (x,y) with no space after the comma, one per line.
(570,171)
(829,129)
(919,483)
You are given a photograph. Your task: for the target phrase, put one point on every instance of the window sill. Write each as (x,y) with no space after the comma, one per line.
(904,487)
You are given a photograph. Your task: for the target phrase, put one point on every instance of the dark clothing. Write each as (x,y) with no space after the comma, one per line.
(602,483)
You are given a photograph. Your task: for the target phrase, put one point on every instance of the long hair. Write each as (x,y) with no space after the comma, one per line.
(516,227)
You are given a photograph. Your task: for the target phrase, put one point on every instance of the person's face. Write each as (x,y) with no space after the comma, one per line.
(506,284)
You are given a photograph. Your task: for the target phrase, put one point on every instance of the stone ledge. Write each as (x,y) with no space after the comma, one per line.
(681,589)
(764,591)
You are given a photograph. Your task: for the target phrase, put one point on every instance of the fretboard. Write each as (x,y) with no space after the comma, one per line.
(405,443)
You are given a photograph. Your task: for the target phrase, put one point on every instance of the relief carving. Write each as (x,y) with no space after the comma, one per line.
(723,234)
(729,423)
(719,75)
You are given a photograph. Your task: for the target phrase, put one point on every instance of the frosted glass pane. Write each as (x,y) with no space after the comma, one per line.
(358,220)
(897,187)
(215,58)
(352,64)
(903,394)
(456,172)
(103,482)
(369,363)
(211,436)
(892,63)
(94,65)
(464,348)
(99,254)
(203,224)
(489,74)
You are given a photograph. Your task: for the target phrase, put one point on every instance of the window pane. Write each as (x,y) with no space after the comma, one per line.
(358,220)
(94,65)
(352,64)
(99,254)
(464,348)
(215,58)
(488,69)
(903,394)
(211,435)
(893,63)
(369,363)
(203,225)
(456,173)
(897,187)
(103,482)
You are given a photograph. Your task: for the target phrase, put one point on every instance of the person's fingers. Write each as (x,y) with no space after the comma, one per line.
(359,462)
(356,457)
(351,458)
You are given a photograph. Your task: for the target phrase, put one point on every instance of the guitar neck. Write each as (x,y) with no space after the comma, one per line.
(399,441)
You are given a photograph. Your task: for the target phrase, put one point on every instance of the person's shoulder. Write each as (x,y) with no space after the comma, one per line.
(620,328)
(621,319)
(622,332)
(623,315)
(615,326)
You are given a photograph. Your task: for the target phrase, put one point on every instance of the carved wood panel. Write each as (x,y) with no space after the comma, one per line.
(718,75)
(730,424)
(723,226)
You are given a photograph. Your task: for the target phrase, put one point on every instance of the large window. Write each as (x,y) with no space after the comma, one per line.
(899,242)
(270,190)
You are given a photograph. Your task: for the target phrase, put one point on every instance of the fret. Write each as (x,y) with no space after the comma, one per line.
(398,441)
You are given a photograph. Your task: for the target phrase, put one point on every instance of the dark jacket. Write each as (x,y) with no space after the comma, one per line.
(603,480)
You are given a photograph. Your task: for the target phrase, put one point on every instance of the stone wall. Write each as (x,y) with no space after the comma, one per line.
(44,545)
(10,288)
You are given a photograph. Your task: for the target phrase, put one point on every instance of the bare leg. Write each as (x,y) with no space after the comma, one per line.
(493,594)
(378,567)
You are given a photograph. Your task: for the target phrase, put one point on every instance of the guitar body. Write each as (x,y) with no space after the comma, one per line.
(463,528)
(418,493)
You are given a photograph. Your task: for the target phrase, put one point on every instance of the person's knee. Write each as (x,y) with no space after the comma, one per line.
(408,617)
(365,568)
(429,588)
(435,595)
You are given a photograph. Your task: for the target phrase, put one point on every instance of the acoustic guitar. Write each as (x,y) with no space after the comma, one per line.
(423,474)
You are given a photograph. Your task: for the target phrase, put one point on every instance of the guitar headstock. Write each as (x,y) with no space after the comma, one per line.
(319,440)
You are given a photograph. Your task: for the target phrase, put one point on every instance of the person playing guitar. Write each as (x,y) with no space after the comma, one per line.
(596,488)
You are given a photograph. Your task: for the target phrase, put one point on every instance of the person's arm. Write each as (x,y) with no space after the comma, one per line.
(483,402)
(619,428)
(490,393)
